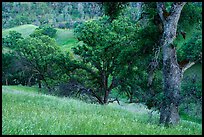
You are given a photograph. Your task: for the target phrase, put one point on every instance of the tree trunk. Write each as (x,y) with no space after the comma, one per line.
(39,83)
(106,97)
(172,80)
(172,74)
(131,98)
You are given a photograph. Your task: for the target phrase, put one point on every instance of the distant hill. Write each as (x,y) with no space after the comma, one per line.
(57,14)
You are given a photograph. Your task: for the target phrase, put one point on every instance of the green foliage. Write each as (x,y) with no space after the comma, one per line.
(7,60)
(189,34)
(149,10)
(44,30)
(18,72)
(191,17)
(192,49)
(11,39)
(104,47)
(38,54)
(113,9)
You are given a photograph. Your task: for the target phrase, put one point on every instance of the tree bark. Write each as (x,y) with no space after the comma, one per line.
(172,74)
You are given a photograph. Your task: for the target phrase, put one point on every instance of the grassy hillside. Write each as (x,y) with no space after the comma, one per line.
(25,30)
(64,37)
(26,111)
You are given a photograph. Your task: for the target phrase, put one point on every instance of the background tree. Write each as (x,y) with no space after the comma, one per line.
(37,53)
(44,30)
(11,39)
(9,69)
(113,9)
(6,67)
(103,49)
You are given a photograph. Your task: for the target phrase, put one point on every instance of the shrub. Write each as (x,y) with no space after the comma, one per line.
(44,30)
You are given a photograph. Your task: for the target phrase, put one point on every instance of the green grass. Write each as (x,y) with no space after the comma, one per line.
(190,118)
(25,111)
(64,37)
(25,30)
(28,89)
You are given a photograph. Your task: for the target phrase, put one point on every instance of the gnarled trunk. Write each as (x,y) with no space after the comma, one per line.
(172,74)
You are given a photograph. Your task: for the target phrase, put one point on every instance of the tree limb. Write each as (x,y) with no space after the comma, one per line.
(160,7)
(187,66)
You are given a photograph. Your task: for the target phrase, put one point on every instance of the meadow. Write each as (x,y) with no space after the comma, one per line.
(26,111)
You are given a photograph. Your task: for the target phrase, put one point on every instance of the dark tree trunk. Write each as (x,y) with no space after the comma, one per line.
(172,74)
(105,87)
(39,83)
(131,97)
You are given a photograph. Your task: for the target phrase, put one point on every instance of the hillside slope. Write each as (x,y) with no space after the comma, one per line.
(25,30)
(64,37)
(26,111)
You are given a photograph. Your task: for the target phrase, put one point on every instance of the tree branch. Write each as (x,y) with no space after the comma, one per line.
(160,8)
(113,84)
(187,66)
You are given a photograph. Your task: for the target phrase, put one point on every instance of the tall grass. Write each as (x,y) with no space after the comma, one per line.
(25,111)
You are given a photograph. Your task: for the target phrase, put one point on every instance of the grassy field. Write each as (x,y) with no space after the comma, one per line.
(64,37)
(25,30)
(25,110)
